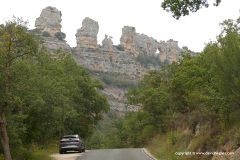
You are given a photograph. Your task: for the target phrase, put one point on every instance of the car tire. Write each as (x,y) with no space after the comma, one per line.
(83,150)
(61,151)
(80,150)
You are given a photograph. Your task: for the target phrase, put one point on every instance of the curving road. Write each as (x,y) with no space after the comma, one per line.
(117,154)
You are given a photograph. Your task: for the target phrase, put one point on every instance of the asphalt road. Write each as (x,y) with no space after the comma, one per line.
(116,154)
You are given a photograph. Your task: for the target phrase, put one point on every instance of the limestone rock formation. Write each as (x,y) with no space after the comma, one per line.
(146,45)
(127,39)
(169,51)
(101,60)
(54,44)
(107,43)
(49,20)
(47,25)
(136,43)
(87,35)
(107,59)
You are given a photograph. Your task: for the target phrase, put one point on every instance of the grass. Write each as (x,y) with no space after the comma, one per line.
(36,152)
(41,153)
(167,146)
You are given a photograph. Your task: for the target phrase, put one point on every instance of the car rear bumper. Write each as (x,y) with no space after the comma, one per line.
(70,148)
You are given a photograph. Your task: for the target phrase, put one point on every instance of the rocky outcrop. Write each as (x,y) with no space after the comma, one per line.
(127,40)
(107,43)
(53,44)
(136,44)
(47,25)
(86,36)
(169,51)
(49,20)
(146,45)
(101,60)
(107,59)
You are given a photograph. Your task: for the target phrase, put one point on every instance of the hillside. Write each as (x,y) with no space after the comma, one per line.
(118,66)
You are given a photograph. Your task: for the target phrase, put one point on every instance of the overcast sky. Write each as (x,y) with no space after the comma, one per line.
(146,16)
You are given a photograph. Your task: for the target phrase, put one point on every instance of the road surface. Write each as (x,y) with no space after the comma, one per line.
(117,154)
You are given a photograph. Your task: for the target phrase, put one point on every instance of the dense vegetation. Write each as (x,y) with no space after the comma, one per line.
(191,105)
(117,80)
(147,60)
(43,95)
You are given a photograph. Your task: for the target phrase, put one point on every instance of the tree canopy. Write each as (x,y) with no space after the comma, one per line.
(184,7)
(43,94)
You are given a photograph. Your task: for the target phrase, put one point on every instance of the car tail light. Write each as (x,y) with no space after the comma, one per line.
(75,141)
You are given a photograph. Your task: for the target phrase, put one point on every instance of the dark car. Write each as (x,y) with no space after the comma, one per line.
(71,143)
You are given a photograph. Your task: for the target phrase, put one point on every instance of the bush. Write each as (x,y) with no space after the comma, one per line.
(117,80)
(46,34)
(145,60)
(22,153)
(60,36)
(120,47)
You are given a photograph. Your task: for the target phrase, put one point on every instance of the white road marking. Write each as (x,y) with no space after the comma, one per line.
(147,154)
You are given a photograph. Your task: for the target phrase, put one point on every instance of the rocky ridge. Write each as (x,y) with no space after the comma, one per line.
(117,61)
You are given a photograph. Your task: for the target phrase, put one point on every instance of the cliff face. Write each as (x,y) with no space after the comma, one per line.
(86,36)
(47,26)
(116,66)
(49,20)
(136,44)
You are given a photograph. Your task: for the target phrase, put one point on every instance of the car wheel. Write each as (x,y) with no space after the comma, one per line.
(61,151)
(80,150)
(83,150)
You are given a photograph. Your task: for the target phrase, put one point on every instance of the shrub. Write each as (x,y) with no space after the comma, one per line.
(60,36)
(46,34)
(145,60)
(120,47)
(117,80)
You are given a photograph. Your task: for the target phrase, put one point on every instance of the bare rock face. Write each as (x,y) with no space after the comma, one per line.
(136,43)
(107,43)
(146,45)
(87,35)
(47,25)
(49,20)
(169,51)
(54,44)
(127,39)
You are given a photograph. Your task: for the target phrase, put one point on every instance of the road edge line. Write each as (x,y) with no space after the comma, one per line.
(144,150)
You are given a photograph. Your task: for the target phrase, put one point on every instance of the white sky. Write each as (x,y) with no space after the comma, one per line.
(146,16)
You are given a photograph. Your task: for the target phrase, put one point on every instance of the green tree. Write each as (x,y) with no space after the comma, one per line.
(183,7)
(153,96)
(225,67)
(42,91)
(55,91)
(15,43)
